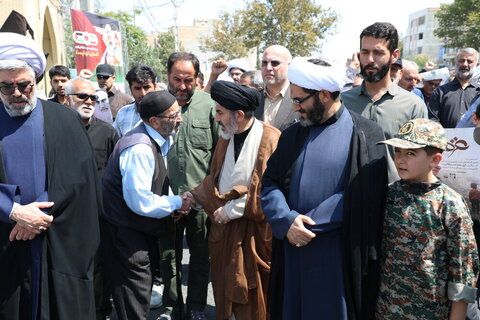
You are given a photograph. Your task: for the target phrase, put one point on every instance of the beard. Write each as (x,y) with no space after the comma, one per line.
(314,115)
(463,73)
(85,114)
(375,77)
(230,128)
(169,128)
(18,111)
(185,96)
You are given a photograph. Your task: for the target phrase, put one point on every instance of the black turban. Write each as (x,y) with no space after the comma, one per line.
(154,103)
(234,96)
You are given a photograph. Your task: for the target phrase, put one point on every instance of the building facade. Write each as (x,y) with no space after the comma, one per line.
(420,38)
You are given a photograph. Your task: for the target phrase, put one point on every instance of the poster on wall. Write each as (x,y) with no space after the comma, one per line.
(460,167)
(96,40)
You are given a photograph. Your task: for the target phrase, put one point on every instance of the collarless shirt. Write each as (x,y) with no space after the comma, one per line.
(137,165)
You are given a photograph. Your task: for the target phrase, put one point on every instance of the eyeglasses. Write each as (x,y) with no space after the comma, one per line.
(24,88)
(99,77)
(274,63)
(170,117)
(299,101)
(84,96)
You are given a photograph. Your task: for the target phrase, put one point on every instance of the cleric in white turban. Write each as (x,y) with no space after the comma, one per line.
(49,196)
(323,76)
(14,46)
(323,194)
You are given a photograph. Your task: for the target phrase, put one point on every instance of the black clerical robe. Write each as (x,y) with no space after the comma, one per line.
(364,202)
(66,288)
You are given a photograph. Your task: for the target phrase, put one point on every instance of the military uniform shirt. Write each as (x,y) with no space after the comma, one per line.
(429,252)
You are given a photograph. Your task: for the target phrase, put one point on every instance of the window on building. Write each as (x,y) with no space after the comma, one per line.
(421,20)
(420,36)
(419,50)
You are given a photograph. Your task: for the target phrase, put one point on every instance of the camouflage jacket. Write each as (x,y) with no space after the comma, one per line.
(429,252)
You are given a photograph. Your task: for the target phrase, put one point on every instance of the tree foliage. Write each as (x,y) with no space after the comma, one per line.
(298,25)
(420,60)
(228,38)
(138,51)
(459,24)
(67,21)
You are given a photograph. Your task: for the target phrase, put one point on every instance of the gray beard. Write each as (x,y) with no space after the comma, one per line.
(463,75)
(231,129)
(16,112)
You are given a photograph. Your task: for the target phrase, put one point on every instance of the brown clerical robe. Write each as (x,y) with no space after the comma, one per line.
(239,250)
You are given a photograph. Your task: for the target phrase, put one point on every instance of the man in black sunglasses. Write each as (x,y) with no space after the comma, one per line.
(50,196)
(276,108)
(105,79)
(82,98)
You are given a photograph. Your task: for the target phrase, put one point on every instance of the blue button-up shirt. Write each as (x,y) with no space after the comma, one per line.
(137,166)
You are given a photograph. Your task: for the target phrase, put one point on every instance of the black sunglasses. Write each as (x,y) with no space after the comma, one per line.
(84,96)
(274,63)
(24,88)
(99,77)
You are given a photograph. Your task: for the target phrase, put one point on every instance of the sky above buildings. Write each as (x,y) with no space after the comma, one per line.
(354,16)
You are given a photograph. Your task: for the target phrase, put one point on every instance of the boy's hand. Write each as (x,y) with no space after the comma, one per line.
(458,310)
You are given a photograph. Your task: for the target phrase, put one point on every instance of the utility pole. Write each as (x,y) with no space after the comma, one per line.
(176,4)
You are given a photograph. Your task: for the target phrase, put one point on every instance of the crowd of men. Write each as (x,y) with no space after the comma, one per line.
(266,173)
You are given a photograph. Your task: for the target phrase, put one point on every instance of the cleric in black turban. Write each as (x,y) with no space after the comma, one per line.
(234,96)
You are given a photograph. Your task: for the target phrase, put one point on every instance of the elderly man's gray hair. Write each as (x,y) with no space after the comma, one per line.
(69,86)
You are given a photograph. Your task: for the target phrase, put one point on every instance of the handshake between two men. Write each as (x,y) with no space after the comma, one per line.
(189,202)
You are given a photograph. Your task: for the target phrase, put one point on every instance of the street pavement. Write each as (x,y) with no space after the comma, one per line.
(209,309)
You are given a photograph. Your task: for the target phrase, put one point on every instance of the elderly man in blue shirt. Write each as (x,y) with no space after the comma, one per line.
(138,202)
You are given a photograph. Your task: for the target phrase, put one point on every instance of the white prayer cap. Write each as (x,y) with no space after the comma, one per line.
(14,46)
(437,74)
(315,77)
(239,64)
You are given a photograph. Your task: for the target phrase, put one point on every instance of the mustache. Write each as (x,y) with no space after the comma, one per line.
(18,99)
(371,65)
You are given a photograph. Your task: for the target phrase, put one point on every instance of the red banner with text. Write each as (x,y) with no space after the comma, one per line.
(96,40)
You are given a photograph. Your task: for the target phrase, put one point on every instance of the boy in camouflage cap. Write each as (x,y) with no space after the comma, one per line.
(429,254)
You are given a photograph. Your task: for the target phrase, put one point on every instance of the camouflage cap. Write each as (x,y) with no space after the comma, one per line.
(419,133)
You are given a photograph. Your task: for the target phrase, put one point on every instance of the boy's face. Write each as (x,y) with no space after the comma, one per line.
(415,165)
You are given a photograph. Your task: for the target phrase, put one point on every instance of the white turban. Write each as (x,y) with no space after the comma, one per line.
(315,77)
(14,46)
(239,64)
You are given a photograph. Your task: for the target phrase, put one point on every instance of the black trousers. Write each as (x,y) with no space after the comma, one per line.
(129,257)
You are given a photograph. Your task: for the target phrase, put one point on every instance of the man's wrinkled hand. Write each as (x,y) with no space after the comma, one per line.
(298,235)
(31,218)
(220,216)
(20,233)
